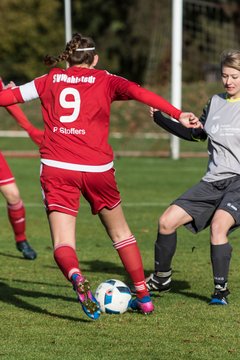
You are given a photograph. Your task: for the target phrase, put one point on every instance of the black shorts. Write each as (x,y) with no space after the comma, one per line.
(203,199)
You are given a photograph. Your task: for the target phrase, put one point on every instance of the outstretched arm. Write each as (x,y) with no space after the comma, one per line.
(177,129)
(188,119)
(35,134)
(16,112)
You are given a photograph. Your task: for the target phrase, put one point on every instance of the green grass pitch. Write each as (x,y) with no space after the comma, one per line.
(39,316)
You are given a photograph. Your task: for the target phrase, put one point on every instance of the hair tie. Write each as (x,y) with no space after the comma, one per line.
(85,49)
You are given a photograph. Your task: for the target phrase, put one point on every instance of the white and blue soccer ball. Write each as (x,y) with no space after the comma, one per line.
(113,296)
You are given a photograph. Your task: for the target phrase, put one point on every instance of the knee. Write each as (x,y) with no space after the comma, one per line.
(217,230)
(166,225)
(13,198)
(11,193)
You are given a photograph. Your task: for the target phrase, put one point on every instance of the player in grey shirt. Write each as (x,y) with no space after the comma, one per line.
(215,200)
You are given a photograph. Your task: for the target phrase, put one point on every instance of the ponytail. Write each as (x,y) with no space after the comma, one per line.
(71,53)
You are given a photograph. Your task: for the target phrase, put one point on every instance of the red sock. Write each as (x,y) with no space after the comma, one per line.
(16,215)
(67,261)
(132,261)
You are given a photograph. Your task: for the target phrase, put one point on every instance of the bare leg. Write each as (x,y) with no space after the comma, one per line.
(126,245)
(115,223)
(63,228)
(16,216)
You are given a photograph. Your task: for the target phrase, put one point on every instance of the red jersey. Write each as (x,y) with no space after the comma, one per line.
(76,111)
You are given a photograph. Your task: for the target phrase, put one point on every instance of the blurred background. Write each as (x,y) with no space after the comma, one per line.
(134,40)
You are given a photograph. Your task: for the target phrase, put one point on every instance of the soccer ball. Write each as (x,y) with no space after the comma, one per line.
(113,296)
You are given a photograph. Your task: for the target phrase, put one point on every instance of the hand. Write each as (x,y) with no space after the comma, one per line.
(189,120)
(36,135)
(152,111)
(9,85)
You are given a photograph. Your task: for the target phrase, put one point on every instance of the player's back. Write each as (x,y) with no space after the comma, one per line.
(76,110)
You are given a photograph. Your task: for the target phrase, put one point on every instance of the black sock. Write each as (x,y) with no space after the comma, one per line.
(220,258)
(165,247)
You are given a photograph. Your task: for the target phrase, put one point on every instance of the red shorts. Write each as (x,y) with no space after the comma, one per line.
(62,189)
(6,176)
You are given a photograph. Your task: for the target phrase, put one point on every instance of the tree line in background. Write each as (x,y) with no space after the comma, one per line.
(133,37)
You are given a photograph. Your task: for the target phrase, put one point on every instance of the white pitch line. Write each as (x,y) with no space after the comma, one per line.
(115,135)
(124,204)
(144,204)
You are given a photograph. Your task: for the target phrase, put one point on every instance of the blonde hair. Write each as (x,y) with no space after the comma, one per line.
(230,58)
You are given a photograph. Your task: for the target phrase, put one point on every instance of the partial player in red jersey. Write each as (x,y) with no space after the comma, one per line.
(9,188)
(77,159)
(16,112)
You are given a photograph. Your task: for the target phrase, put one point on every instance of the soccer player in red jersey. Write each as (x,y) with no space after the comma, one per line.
(9,188)
(76,159)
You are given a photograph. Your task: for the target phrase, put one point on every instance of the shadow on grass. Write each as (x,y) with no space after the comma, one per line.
(10,295)
(178,287)
(36,282)
(20,257)
(107,267)
(182,288)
